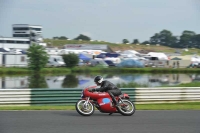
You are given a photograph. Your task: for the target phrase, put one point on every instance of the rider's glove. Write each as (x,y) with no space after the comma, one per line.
(91,90)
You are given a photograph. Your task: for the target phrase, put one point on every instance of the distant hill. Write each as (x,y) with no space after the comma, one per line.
(120,47)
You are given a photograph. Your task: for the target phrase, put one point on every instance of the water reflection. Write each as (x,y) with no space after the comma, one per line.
(37,80)
(70,81)
(83,80)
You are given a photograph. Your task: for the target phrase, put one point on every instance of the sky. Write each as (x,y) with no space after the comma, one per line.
(106,20)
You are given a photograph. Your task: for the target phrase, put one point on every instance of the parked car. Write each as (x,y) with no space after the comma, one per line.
(114,57)
(55,60)
(103,55)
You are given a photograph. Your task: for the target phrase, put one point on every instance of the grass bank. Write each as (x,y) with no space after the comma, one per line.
(192,84)
(160,106)
(121,47)
(18,71)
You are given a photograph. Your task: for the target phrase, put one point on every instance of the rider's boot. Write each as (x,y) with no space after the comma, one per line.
(115,103)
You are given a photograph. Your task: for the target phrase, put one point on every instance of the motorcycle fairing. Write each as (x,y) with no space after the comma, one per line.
(106,105)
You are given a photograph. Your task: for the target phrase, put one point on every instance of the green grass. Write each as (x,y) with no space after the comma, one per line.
(18,71)
(192,84)
(159,106)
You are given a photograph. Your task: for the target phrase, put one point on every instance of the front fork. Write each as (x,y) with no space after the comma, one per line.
(86,102)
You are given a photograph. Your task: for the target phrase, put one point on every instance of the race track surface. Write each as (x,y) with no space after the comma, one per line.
(72,122)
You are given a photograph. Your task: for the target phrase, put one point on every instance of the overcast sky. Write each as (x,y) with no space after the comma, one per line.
(108,20)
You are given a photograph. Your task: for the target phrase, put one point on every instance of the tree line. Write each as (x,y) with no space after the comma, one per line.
(188,39)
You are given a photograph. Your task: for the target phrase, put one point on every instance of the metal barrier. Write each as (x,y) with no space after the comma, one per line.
(69,96)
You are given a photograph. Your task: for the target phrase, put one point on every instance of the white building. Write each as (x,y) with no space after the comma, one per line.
(22,34)
(25,30)
(14,60)
(14,43)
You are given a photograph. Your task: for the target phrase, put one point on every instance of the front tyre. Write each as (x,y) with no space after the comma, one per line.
(126,108)
(84,108)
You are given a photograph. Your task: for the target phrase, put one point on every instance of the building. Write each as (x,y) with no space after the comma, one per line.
(23,36)
(14,43)
(13,60)
(25,30)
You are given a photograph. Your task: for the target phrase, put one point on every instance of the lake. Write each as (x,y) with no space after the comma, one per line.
(83,80)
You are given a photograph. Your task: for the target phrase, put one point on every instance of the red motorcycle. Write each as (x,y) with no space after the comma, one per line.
(103,102)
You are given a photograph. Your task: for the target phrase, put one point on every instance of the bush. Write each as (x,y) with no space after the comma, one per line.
(71,60)
(38,57)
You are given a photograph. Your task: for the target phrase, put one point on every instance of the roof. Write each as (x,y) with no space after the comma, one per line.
(13,38)
(25,24)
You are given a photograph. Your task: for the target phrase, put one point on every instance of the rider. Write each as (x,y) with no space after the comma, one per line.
(107,86)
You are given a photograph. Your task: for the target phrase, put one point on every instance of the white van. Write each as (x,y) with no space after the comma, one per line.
(55,60)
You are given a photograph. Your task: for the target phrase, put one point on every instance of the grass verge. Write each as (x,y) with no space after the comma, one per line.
(159,106)
(19,71)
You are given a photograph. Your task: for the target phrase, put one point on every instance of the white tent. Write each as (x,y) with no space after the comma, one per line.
(161,56)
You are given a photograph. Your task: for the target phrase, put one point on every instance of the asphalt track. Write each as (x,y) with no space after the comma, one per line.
(72,122)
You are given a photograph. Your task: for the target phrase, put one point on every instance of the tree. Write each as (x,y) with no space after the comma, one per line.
(60,38)
(63,38)
(38,57)
(125,41)
(56,38)
(145,42)
(71,59)
(187,39)
(82,37)
(197,41)
(155,39)
(165,38)
(135,41)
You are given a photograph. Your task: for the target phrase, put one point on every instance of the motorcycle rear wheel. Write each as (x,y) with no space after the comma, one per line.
(84,109)
(126,108)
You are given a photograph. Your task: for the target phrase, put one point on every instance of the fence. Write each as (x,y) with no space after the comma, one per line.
(70,95)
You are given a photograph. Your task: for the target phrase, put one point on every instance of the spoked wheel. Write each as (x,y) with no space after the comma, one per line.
(84,108)
(126,107)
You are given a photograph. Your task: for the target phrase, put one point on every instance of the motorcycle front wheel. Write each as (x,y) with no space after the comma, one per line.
(126,107)
(84,108)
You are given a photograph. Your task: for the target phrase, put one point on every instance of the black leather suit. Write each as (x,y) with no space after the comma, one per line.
(109,87)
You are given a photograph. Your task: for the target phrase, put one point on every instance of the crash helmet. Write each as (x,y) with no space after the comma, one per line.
(98,80)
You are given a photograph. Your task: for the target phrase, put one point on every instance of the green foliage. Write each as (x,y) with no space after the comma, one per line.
(192,84)
(38,57)
(82,37)
(131,85)
(165,38)
(125,41)
(146,42)
(135,41)
(188,39)
(71,59)
(61,38)
(98,70)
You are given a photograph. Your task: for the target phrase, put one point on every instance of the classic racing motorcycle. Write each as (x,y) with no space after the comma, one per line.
(103,102)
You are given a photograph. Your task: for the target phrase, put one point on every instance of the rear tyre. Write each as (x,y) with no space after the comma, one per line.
(83,108)
(126,108)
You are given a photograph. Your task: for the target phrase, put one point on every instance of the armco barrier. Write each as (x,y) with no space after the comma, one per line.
(69,96)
